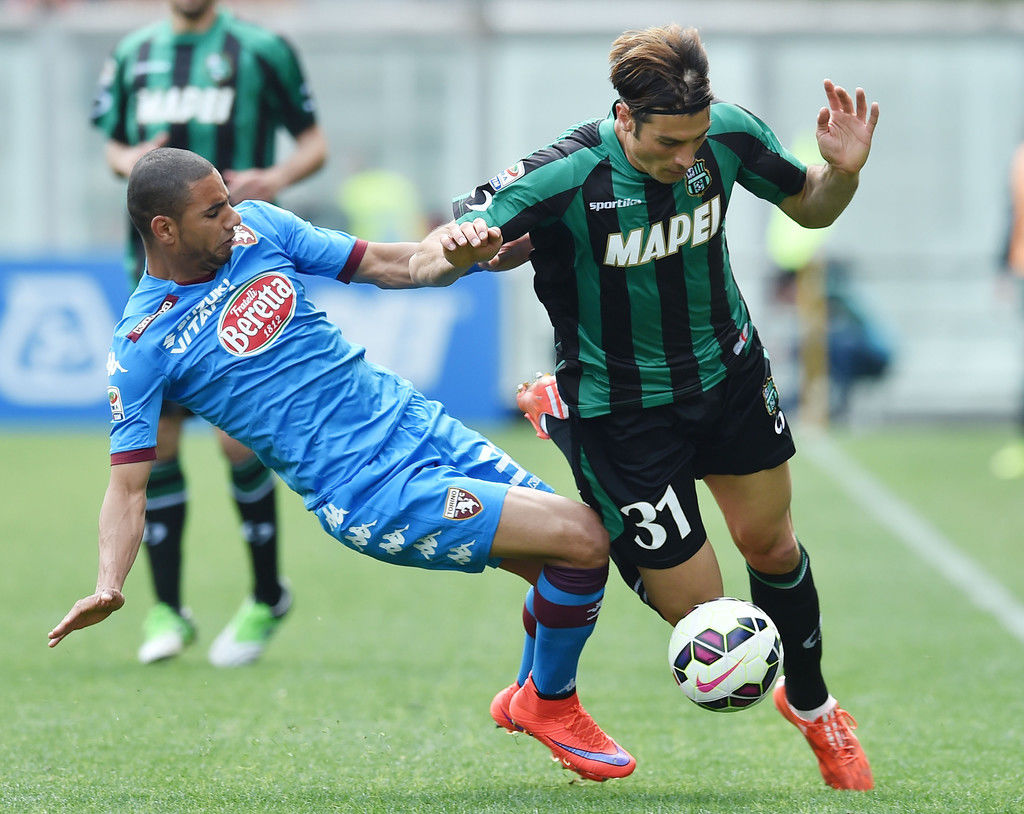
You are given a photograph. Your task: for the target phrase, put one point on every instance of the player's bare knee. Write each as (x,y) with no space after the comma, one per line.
(770,550)
(588,544)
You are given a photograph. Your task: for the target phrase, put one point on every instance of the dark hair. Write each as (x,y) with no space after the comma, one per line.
(660,70)
(160,184)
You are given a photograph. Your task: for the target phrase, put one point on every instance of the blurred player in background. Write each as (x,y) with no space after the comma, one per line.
(386,471)
(205,81)
(1008,462)
(660,373)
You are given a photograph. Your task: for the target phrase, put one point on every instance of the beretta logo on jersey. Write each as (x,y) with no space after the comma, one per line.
(461,505)
(254,318)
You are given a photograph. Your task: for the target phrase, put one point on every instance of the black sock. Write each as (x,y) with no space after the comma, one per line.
(253,490)
(165,524)
(791,600)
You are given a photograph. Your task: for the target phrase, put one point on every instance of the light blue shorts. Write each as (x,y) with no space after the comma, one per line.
(432,497)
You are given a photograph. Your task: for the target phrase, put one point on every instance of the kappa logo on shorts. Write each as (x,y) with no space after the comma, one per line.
(461,505)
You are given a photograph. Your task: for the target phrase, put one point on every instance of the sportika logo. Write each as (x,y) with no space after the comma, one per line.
(255,317)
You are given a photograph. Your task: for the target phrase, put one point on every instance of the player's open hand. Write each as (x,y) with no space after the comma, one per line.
(472,242)
(87,611)
(845,128)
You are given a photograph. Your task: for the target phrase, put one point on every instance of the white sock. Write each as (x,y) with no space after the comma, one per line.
(817,712)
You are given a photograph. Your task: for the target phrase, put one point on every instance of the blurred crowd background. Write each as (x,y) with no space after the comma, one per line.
(423,100)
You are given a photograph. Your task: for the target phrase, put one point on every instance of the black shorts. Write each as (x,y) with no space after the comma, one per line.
(638,468)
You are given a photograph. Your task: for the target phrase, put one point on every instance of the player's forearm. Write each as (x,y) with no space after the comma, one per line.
(308,155)
(404,265)
(122,520)
(827,192)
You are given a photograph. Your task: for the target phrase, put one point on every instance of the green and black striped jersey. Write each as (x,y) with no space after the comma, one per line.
(222,93)
(635,274)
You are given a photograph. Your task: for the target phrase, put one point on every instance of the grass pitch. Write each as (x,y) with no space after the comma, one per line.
(373,697)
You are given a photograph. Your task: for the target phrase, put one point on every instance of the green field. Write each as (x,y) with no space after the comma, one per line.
(374,696)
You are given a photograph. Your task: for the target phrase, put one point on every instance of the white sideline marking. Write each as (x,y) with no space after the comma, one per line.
(920,536)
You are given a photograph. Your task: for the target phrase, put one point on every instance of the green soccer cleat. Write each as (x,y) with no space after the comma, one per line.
(248,633)
(165,633)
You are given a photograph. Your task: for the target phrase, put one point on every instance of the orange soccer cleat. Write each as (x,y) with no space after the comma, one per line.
(499,708)
(840,756)
(539,399)
(570,733)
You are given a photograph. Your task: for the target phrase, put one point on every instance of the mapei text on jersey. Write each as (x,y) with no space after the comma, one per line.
(657,240)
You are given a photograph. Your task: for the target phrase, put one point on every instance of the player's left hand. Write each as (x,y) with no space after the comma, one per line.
(472,242)
(87,611)
(845,128)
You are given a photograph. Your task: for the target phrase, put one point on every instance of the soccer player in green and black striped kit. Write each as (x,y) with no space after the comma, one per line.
(662,370)
(206,81)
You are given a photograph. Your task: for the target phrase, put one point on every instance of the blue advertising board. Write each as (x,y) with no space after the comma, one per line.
(57,314)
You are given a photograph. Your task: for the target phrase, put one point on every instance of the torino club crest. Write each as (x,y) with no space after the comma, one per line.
(461,505)
(257,314)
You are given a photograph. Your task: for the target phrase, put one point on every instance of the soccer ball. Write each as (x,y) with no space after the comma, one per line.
(725,654)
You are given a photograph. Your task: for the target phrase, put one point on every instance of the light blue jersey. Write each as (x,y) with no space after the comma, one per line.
(387,471)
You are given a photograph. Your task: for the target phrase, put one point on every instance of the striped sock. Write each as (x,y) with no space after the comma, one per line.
(529,640)
(566,603)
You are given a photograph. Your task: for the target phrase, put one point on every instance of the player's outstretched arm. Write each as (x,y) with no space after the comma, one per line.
(451,250)
(844,131)
(439,259)
(122,518)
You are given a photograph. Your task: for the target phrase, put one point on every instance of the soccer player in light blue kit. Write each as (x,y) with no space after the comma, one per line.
(221,324)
